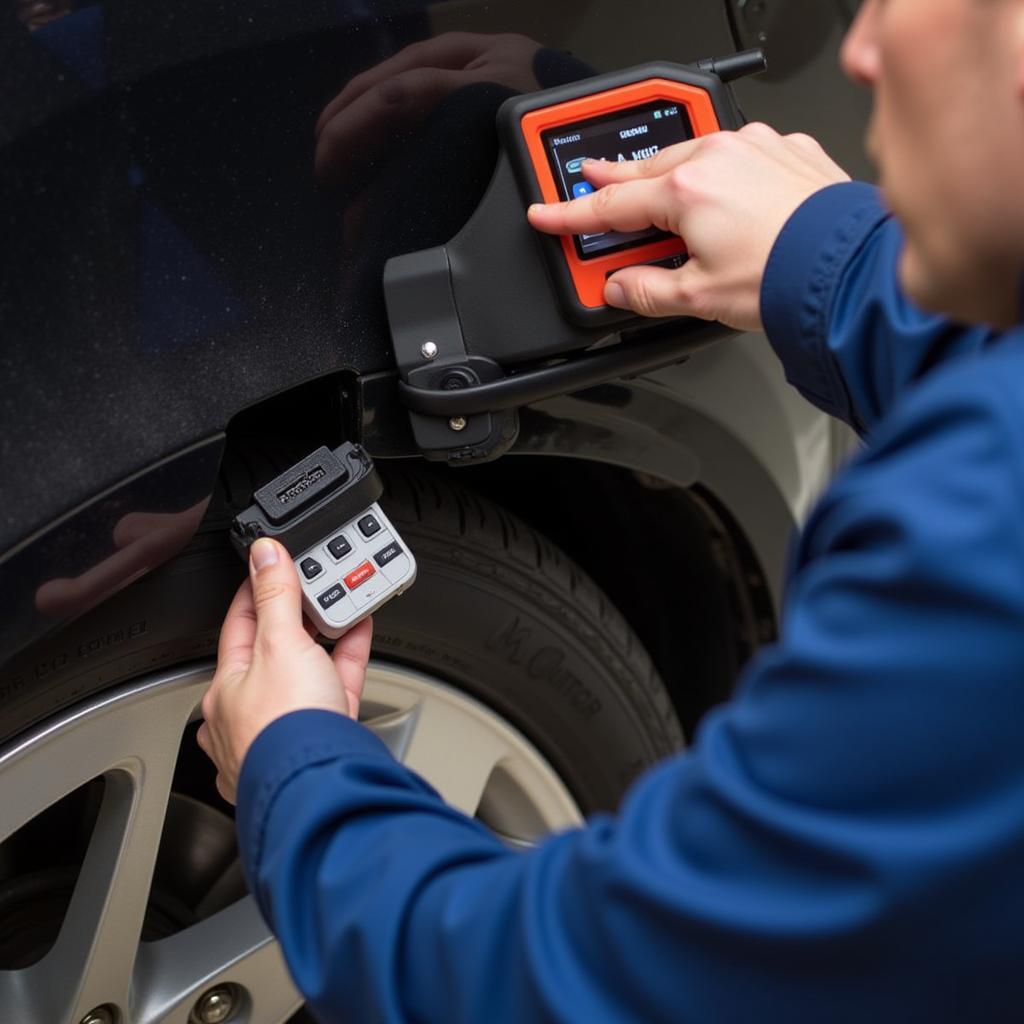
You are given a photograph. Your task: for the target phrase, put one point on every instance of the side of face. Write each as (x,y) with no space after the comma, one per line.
(947,135)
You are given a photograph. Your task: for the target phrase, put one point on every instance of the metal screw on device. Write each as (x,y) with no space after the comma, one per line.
(215,1006)
(101,1015)
(457,423)
(428,349)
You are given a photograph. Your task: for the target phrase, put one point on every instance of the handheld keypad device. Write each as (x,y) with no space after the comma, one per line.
(348,554)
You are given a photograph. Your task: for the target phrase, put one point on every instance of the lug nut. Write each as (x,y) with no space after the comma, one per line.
(101,1015)
(216,1006)
(457,423)
(428,349)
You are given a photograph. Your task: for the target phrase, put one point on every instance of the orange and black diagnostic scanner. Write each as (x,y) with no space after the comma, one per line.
(502,315)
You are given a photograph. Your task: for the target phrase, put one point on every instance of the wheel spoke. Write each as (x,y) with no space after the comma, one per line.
(456,744)
(232,946)
(93,956)
(456,757)
(395,730)
(91,962)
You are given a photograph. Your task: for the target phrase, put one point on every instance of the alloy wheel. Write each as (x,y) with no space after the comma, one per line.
(224,966)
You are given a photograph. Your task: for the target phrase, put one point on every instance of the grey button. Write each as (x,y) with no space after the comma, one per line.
(386,554)
(329,597)
(339,547)
(310,568)
(368,526)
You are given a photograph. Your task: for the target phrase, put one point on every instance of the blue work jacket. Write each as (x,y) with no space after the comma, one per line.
(845,839)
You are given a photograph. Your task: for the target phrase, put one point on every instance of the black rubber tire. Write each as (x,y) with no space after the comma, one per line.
(497,611)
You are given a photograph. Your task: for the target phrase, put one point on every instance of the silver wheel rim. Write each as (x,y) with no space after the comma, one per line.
(131,737)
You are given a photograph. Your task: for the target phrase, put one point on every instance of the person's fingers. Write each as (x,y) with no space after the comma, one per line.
(350,656)
(234,648)
(204,741)
(655,291)
(452,50)
(605,172)
(403,100)
(625,206)
(276,595)
(227,792)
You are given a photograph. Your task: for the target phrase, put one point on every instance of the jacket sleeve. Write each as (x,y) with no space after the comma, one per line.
(842,843)
(849,339)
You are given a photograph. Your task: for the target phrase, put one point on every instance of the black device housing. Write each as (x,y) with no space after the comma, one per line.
(307,501)
(475,323)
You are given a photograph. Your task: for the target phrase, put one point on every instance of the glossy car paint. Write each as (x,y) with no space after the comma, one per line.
(169,260)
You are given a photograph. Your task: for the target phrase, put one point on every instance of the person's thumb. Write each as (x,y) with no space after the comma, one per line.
(276,594)
(655,291)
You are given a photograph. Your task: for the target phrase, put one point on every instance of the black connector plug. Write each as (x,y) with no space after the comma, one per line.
(736,65)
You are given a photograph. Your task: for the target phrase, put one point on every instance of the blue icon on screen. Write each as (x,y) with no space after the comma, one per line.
(582,188)
(575,166)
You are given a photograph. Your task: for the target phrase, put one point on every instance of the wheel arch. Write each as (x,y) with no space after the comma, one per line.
(673,559)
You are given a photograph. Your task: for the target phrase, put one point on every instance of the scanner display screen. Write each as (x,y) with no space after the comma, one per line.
(635,134)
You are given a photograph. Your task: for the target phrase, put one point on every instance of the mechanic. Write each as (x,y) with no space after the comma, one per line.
(845,840)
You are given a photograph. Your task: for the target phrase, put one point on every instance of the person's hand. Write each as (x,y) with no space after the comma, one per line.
(375,106)
(728,195)
(268,664)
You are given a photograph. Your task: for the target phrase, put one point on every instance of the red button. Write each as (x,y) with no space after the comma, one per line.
(360,575)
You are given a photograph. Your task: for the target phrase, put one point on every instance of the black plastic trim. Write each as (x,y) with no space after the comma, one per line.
(596,367)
